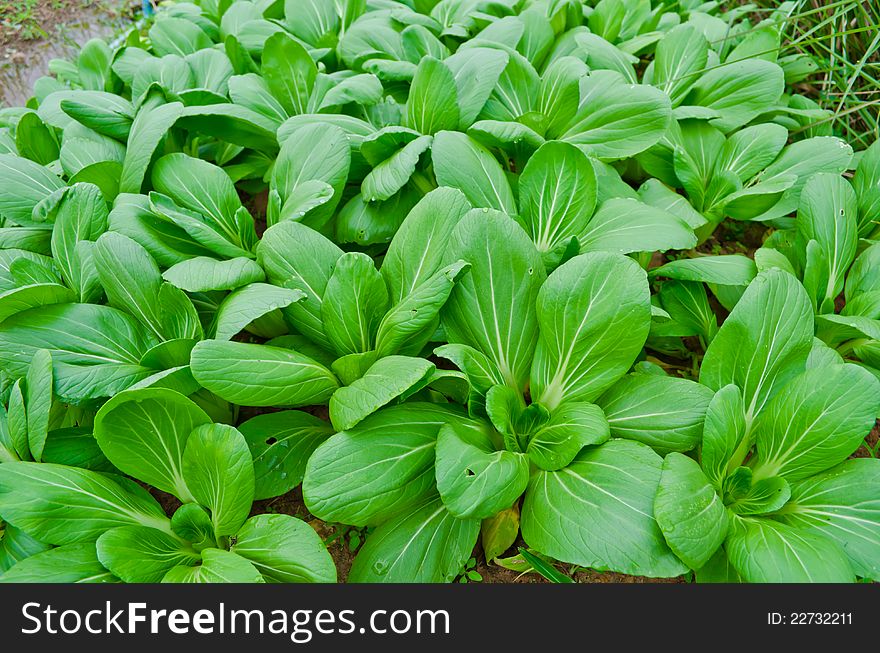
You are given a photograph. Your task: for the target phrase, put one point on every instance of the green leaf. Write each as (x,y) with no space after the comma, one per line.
(476,71)
(23,185)
(295,256)
(16,545)
(392,174)
(62,505)
(724,435)
(473,478)
(680,55)
(416,252)
(203,274)
(498,533)
(96,350)
(193,523)
(626,225)
(460,162)
(218,566)
(766,495)
(866,182)
(289,72)
(598,512)
(726,270)
(355,301)
(312,153)
(203,188)
(572,426)
(381,468)
(416,313)
(816,421)
(285,550)
(131,279)
(594,314)
(144,434)
(219,471)
(281,444)
(171,35)
(842,504)
(260,375)
(739,91)
(691,515)
(492,307)
(750,150)
(425,545)
(39,401)
(384,381)
(139,554)
(34,141)
(828,214)
(766,551)
(557,195)
(432,104)
(763,343)
(241,307)
(148,129)
(232,124)
(664,412)
(615,119)
(81,216)
(71,563)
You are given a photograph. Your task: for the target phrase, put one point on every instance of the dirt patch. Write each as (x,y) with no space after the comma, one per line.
(33,32)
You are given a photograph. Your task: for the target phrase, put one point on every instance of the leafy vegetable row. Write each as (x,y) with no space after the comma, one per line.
(432,261)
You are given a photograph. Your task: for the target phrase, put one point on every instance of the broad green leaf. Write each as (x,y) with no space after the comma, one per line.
(615,119)
(598,512)
(725,269)
(739,91)
(417,312)
(203,274)
(815,421)
(476,71)
(594,315)
(62,505)
(203,188)
(148,129)
(241,307)
(750,150)
(295,256)
(139,554)
(16,545)
(842,504)
(71,563)
(381,468)
(355,300)
(392,174)
(81,216)
(289,72)
(691,515)
(417,251)
(763,496)
(131,279)
(96,350)
(557,195)
(284,550)
(460,162)
(23,185)
(724,435)
(763,343)
(626,225)
(866,182)
(388,378)
(424,545)
(281,444)
(572,427)
(432,104)
(193,523)
(473,478)
(828,214)
(144,433)
(260,375)
(679,57)
(218,566)
(171,35)
(664,412)
(232,124)
(39,401)
(218,470)
(767,551)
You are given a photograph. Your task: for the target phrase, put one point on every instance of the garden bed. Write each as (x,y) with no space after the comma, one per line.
(459,291)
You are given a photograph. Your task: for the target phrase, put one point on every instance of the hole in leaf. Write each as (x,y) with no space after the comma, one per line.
(272,440)
(469,472)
